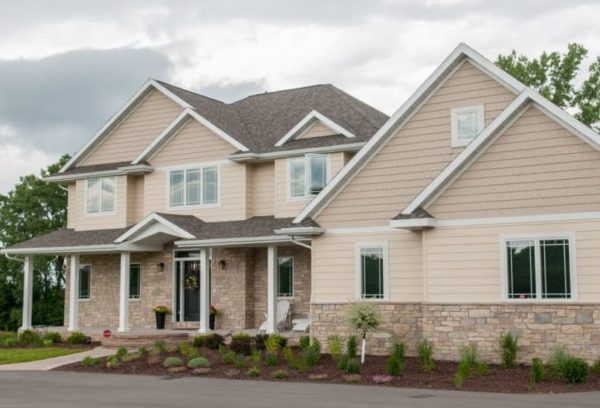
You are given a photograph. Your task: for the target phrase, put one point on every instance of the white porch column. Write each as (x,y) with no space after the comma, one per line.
(124,293)
(27,292)
(74,294)
(204,291)
(272,289)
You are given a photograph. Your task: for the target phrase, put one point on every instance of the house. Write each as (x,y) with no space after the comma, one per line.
(472,211)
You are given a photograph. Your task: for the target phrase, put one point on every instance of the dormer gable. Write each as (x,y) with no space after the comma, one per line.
(314,124)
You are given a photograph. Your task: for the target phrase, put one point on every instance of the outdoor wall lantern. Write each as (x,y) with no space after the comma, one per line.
(161,266)
(222,264)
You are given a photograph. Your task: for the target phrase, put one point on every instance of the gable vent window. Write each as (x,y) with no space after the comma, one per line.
(466,123)
(194,187)
(307,175)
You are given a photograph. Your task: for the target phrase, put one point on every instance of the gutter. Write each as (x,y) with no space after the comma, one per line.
(121,171)
(349,147)
(13,258)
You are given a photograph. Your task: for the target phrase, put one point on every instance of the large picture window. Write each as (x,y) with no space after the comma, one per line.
(372,271)
(101,195)
(285,270)
(307,175)
(539,268)
(194,187)
(85,281)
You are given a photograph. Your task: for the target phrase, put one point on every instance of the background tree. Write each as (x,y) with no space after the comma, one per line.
(557,77)
(32,208)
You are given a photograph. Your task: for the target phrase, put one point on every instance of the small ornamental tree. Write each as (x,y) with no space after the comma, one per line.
(364,317)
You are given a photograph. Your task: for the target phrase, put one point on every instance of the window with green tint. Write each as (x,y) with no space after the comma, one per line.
(85,282)
(285,270)
(134,281)
(555,269)
(521,269)
(372,272)
(539,269)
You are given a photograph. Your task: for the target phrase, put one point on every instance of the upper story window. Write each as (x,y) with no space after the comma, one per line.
(194,187)
(540,269)
(101,195)
(466,123)
(307,175)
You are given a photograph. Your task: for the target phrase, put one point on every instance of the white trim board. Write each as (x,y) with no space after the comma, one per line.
(348,147)
(149,220)
(486,138)
(313,117)
(401,116)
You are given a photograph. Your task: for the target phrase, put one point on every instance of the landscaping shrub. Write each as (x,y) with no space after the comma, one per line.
(253,372)
(199,341)
(311,356)
(469,362)
(142,351)
(276,338)
(159,347)
(596,366)
(89,361)
(353,366)
(273,344)
(343,362)
(271,359)
(54,337)
(397,360)
(425,351)
(121,352)
(171,362)
(213,341)
(290,358)
(351,347)
(536,374)
(364,317)
(260,341)
(30,338)
(557,361)
(508,349)
(198,362)
(280,374)
(113,362)
(229,357)
(47,342)
(187,350)
(78,338)
(575,370)
(223,349)
(304,342)
(256,356)
(241,343)
(335,344)
(10,342)
(240,361)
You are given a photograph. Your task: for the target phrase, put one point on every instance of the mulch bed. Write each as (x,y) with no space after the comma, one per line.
(515,380)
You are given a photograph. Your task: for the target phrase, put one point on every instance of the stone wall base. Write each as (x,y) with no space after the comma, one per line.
(540,327)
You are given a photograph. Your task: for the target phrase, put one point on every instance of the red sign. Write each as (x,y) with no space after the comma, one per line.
(107,333)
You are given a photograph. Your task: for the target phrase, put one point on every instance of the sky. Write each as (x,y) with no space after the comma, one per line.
(66,66)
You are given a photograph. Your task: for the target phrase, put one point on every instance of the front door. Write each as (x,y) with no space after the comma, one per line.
(188,290)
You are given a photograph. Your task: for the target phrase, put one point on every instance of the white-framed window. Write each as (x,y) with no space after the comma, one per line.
(85,282)
(307,175)
(466,123)
(372,271)
(101,195)
(135,277)
(539,268)
(285,276)
(194,187)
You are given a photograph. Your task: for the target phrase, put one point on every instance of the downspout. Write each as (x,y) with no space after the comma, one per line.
(302,244)
(13,258)
(63,188)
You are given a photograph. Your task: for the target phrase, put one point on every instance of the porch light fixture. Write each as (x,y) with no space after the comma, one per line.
(161,266)
(222,264)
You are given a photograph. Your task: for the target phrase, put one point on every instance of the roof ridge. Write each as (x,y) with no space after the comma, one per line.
(280,91)
(354,106)
(191,92)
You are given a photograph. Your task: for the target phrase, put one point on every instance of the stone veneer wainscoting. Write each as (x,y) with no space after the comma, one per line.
(540,327)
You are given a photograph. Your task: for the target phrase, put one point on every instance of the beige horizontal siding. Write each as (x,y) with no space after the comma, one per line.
(192,143)
(334,266)
(535,167)
(232,184)
(135,199)
(83,222)
(260,189)
(415,154)
(136,131)
(317,129)
(290,208)
(463,264)
(72,205)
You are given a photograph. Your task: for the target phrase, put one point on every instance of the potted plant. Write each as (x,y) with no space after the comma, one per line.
(212,316)
(161,312)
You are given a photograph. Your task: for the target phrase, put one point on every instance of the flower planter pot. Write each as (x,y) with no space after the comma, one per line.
(160,320)
(211,321)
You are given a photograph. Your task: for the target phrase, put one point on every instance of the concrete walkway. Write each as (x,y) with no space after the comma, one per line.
(50,363)
(75,390)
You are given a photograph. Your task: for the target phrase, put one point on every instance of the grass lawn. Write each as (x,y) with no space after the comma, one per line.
(22,355)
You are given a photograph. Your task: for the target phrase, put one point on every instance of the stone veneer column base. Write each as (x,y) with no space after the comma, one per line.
(449,327)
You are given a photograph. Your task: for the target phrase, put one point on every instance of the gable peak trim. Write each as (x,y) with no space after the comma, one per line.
(149,220)
(306,122)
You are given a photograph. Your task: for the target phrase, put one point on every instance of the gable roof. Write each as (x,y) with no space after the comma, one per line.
(309,120)
(487,137)
(461,53)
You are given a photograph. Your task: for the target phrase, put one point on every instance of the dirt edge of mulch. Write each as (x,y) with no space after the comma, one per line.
(498,380)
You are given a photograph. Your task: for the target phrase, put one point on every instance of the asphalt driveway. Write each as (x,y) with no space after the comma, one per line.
(75,390)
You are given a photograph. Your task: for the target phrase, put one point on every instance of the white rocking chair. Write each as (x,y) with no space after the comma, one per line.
(284,316)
